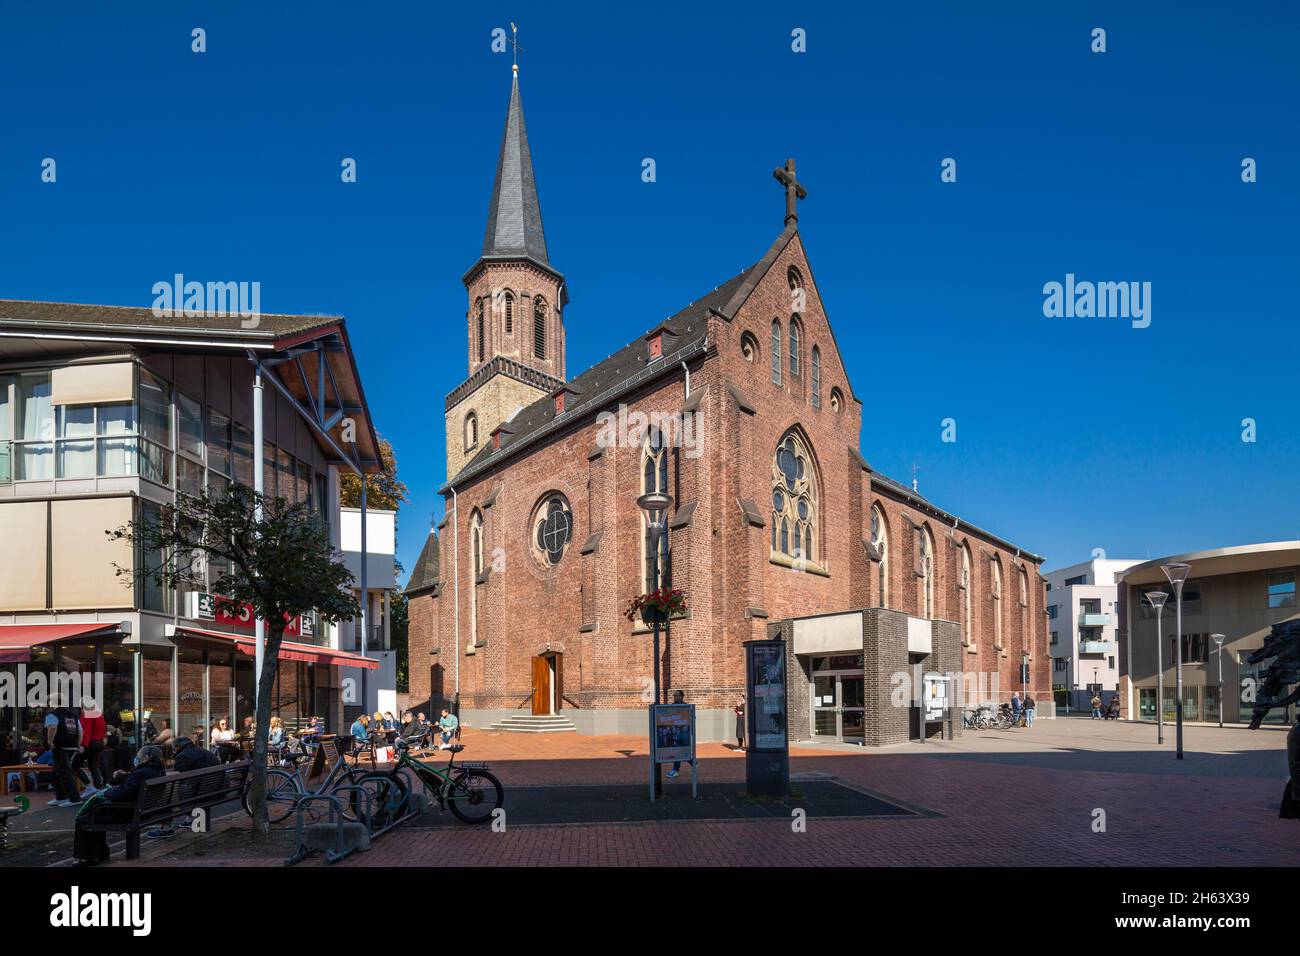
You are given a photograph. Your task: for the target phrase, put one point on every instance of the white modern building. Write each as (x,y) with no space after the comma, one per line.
(370,690)
(1082,628)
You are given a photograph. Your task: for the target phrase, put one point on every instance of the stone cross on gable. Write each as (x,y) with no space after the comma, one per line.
(793,189)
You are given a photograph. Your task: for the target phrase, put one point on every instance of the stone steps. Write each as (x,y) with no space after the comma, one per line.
(535,724)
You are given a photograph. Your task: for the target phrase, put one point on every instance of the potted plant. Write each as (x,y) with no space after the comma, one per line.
(657,606)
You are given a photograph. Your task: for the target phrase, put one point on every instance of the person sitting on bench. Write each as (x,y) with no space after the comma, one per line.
(189,756)
(91,846)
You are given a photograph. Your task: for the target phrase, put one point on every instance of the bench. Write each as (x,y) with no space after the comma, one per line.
(173,795)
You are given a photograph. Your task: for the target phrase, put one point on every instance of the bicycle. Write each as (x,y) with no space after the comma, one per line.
(284,786)
(470,791)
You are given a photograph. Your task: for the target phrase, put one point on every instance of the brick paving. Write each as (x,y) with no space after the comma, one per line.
(999,797)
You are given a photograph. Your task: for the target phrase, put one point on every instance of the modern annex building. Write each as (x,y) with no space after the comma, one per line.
(1082,629)
(740,406)
(1239,592)
(106,414)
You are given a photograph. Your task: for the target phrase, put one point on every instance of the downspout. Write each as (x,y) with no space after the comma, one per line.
(687,370)
(455,586)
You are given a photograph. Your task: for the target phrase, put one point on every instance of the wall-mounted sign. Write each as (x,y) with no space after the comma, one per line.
(207,607)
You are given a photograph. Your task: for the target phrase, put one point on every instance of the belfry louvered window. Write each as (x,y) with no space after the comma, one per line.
(479,332)
(539,327)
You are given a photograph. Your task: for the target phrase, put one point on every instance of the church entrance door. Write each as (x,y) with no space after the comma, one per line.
(544,692)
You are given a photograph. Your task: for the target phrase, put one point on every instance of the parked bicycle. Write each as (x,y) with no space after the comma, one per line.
(285,782)
(470,791)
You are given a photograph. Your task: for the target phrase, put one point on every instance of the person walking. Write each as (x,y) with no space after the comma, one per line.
(1096,706)
(1015,708)
(1291,793)
(1029,710)
(740,723)
(63,737)
(94,732)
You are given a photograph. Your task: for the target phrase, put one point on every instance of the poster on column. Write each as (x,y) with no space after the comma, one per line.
(767,696)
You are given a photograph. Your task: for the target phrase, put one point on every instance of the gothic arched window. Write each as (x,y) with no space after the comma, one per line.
(539,327)
(510,313)
(996,592)
(816,377)
(654,477)
(776,351)
(964,583)
(880,541)
(925,567)
(476,566)
(794,345)
(795,532)
(552,528)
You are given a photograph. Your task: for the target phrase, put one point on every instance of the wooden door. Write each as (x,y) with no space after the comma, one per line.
(541,685)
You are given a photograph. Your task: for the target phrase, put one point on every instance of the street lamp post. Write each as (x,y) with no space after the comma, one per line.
(1218,649)
(1177,573)
(655,504)
(1157,600)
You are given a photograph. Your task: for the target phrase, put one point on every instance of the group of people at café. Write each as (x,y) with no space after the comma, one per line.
(413,728)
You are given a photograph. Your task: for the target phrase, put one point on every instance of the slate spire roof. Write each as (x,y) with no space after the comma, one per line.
(514,225)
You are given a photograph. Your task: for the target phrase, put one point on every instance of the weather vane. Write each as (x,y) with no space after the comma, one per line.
(514,42)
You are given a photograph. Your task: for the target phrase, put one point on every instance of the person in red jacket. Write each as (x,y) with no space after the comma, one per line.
(93,731)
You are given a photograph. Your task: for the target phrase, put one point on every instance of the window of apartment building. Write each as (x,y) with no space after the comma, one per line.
(1052,611)
(1056,637)
(1281,589)
(1081,579)
(1090,606)
(1059,663)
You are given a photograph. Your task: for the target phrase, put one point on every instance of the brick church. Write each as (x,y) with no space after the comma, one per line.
(741,408)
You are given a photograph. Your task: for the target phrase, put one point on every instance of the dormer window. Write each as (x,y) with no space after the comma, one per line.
(656,347)
(559,404)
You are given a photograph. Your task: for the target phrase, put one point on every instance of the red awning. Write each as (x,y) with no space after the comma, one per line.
(17,640)
(289,650)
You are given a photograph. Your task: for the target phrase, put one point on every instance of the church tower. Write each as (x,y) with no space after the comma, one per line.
(514,324)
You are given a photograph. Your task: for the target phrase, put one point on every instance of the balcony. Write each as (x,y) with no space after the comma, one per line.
(1096,647)
(1094,620)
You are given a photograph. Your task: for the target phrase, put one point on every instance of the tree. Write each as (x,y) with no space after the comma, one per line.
(383,490)
(280,564)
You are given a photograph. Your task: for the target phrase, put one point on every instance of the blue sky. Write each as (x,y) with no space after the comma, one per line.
(1072,434)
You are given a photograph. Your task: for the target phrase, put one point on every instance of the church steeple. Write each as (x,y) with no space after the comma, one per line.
(515,323)
(514,225)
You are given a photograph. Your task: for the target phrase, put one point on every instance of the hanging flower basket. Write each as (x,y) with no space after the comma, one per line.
(657,606)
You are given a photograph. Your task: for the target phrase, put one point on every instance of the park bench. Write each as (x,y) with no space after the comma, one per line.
(165,798)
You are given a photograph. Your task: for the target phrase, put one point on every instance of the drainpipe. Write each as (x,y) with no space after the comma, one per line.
(686,369)
(455,587)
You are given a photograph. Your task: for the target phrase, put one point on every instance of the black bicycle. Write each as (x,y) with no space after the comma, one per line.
(469,790)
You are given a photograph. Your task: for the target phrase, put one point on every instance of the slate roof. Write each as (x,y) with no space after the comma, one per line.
(597,387)
(514,225)
(425,573)
(74,315)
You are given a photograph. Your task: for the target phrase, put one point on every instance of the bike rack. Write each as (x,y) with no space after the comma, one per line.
(336,818)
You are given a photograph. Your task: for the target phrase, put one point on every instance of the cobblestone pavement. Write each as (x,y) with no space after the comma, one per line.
(1028,797)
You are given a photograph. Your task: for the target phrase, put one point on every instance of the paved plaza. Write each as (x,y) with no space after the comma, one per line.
(1024,797)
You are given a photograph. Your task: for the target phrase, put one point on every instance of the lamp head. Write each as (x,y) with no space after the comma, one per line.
(1218,640)
(1176,572)
(1157,599)
(655,504)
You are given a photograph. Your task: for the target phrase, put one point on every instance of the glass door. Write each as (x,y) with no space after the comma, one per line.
(838,705)
(852,711)
(825,705)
